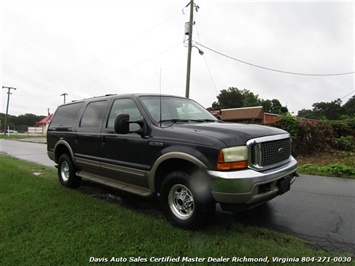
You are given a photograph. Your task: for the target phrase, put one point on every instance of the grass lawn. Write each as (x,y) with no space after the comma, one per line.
(43,223)
(19,136)
(330,163)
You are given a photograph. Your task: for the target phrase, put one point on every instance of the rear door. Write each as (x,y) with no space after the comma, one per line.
(88,136)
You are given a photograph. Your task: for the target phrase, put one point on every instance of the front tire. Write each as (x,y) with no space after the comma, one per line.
(186,199)
(66,172)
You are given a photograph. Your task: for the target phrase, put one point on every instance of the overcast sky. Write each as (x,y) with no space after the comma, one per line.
(92,48)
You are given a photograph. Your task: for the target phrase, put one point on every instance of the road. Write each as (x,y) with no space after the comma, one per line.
(32,150)
(318,209)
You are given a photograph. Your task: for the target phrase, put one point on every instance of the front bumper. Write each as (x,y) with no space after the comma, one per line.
(247,188)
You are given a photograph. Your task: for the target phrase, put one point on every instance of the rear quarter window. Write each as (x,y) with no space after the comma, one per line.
(65,115)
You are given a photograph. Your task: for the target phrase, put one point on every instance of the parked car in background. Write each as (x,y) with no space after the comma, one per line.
(11,132)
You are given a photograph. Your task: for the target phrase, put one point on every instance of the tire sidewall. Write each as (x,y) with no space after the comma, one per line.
(73,181)
(204,205)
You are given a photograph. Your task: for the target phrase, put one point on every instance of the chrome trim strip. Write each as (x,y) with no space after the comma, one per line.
(268,138)
(257,142)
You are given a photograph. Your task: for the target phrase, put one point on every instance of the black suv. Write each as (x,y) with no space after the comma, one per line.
(170,147)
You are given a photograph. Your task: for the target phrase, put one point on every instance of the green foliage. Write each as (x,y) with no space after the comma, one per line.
(322,136)
(349,106)
(337,169)
(235,98)
(291,125)
(329,110)
(273,106)
(345,143)
(21,122)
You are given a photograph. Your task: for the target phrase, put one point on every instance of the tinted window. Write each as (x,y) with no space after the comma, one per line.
(66,115)
(124,106)
(93,115)
(165,108)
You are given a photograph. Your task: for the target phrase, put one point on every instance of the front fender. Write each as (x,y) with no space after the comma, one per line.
(171,155)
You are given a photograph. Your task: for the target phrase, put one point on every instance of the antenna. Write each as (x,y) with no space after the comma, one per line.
(160,115)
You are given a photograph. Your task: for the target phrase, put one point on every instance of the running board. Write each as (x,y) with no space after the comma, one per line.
(115,184)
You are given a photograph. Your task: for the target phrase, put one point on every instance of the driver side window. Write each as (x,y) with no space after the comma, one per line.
(124,106)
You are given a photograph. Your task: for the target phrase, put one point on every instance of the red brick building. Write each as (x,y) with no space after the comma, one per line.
(252,115)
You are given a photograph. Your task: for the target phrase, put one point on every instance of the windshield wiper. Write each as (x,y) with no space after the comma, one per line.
(203,120)
(174,120)
(186,120)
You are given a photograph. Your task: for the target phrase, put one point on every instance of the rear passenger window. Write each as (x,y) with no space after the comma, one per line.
(93,114)
(124,106)
(65,115)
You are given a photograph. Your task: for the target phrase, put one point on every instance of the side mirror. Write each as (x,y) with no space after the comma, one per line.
(122,123)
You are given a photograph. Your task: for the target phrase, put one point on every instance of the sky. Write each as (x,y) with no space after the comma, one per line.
(87,48)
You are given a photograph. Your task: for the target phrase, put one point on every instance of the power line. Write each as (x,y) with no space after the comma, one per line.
(347,95)
(205,60)
(272,69)
(129,68)
(110,52)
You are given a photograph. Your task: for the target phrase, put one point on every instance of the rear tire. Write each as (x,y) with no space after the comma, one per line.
(187,200)
(66,172)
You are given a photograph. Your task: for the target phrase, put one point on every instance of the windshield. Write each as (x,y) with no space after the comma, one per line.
(165,109)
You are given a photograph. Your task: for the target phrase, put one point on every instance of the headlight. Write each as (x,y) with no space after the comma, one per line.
(233,158)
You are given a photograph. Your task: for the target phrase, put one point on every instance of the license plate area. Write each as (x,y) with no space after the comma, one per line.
(284,185)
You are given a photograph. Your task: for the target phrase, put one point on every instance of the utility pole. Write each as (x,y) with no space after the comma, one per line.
(188,71)
(8,103)
(64,94)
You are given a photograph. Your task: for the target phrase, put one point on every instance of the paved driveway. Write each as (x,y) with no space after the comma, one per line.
(320,209)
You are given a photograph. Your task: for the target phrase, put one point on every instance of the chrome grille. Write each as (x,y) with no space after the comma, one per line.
(268,152)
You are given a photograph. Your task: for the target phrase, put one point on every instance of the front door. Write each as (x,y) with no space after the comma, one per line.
(124,156)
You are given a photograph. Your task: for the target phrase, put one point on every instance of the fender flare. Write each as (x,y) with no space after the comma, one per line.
(151,175)
(67,145)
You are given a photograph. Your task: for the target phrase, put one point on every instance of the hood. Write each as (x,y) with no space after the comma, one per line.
(232,134)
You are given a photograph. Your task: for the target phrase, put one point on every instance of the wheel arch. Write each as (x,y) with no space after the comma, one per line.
(169,162)
(62,147)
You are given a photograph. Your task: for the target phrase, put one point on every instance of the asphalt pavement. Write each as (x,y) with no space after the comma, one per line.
(317,208)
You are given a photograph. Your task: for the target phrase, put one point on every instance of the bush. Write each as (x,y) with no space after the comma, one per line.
(311,138)
(337,169)
(345,143)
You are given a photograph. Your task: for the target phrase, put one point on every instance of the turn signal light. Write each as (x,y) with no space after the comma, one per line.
(232,166)
(234,158)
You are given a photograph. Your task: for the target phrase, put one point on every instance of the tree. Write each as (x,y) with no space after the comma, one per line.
(251,99)
(21,122)
(307,113)
(273,106)
(349,106)
(231,98)
(235,98)
(329,110)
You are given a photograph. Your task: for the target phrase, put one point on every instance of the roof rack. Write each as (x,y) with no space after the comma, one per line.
(106,95)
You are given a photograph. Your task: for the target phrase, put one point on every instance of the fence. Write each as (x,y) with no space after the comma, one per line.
(37,131)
